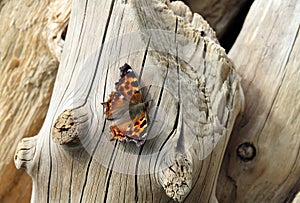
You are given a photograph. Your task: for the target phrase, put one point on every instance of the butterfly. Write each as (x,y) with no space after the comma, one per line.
(126,106)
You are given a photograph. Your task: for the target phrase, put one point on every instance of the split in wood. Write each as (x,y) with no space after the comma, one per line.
(69,127)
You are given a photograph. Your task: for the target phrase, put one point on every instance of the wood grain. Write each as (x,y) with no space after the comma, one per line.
(195,96)
(266,54)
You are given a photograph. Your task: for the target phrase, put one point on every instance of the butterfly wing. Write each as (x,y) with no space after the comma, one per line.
(119,131)
(115,106)
(128,85)
(127,93)
(134,130)
(137,130)
(127,99)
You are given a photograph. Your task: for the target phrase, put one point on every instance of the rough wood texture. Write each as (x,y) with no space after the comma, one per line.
(30,48)
(195,97)
(266,55)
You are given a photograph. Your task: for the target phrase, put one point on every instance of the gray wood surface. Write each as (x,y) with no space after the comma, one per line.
(266,55)
(195,97)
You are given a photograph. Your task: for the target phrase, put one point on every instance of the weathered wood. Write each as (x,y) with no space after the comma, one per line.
(195,97)
(30,48)
(266,55)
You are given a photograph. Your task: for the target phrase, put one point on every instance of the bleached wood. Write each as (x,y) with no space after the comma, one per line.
(194,93)
(30,48)
(266,55)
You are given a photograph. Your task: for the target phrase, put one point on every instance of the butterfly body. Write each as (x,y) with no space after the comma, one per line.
(126,106)
(137,109)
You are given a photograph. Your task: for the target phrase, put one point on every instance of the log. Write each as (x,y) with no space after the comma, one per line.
(194,98)
(261,163)
(31,45)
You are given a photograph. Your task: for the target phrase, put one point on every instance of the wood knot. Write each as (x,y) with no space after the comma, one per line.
(69,127)
(246,151)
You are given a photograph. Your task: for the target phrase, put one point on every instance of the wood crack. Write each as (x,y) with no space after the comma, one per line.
(71,181)
(102,44)
(144,60)
(50,170)
(109,171)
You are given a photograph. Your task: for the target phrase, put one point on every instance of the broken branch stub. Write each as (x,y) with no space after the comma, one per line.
(24,154)
(69,126)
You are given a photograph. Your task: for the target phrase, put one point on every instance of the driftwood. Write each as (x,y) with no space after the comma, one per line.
(194,93)
(261,164)
(30,49)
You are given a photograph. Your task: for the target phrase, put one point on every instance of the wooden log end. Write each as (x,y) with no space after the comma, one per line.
(24,153)
(176,179)
(69,127)
(180,9)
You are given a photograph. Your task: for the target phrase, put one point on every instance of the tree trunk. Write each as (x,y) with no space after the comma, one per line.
(194,97)
(181,160)
(261,163)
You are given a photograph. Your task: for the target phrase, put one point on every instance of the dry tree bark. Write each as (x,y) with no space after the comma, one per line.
(194,94)
(262,161)
(30,49)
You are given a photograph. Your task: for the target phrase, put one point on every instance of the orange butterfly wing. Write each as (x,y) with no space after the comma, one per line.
(135,131)
(115,105)
(127,98)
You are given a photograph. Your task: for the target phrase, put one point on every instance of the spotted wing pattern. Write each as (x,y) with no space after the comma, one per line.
(127,100)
